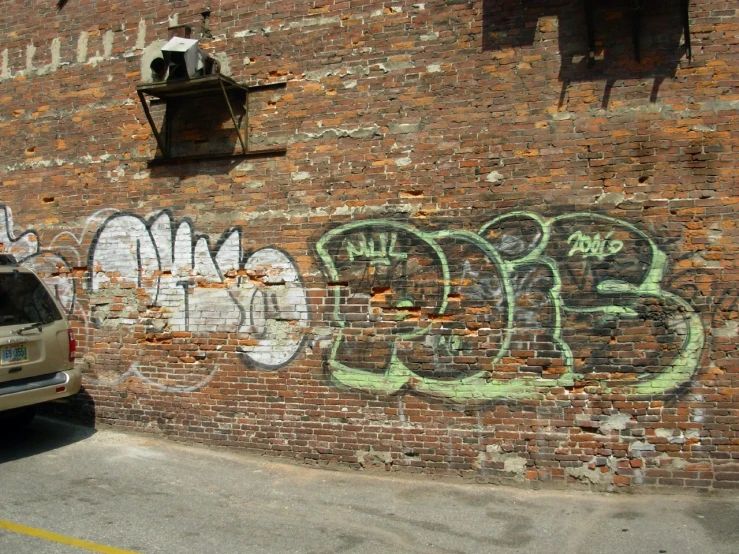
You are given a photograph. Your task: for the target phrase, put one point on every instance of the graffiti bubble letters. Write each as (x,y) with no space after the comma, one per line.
(168,278)
(486,321)
(199,290)
(593,246)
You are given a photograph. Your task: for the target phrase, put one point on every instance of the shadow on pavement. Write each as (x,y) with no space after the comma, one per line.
(44,433)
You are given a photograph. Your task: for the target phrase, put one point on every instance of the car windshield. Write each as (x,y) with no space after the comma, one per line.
(25,300)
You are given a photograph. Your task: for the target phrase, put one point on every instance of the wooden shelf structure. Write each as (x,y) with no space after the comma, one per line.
(171,93)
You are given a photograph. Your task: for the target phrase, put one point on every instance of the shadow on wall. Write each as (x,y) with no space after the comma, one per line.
(630,39)
(79,408)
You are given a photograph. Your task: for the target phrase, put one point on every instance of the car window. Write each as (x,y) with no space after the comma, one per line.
(24,299)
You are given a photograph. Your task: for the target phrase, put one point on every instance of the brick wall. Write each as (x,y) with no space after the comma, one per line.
(484,252)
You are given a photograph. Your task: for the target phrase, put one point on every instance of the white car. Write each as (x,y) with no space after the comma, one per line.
(36,346)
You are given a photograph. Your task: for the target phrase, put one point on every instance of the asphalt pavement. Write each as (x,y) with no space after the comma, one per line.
(67,488)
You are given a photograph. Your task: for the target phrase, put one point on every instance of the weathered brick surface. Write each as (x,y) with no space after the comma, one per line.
(481,255)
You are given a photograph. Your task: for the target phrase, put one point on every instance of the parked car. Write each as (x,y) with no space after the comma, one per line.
(37,346)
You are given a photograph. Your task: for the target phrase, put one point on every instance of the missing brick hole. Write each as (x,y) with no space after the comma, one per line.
(338,283)
(381,290)
(440,317)
(643,179)
(48,199)
(415,193)
(454,296)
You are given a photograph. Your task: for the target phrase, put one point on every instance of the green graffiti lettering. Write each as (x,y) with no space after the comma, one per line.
(391,251)
(365,248)
(354,251)
(595,246)
(612,298)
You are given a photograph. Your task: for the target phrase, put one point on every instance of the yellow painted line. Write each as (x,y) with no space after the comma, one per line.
(62,539)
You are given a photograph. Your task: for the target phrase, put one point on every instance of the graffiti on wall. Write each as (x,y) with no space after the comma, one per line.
(525,304)
(54,265)
(201,290)
(165,277)
(452,314)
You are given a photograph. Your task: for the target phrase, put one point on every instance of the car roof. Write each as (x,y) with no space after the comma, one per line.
(7,259)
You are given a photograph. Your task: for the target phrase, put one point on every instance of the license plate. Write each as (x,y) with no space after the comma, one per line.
(14,354)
